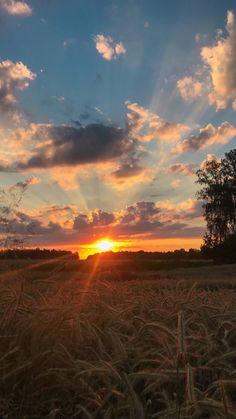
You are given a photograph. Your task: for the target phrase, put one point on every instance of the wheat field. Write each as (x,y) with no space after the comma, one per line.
(91,346)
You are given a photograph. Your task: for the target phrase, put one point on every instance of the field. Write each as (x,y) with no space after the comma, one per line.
(83,341)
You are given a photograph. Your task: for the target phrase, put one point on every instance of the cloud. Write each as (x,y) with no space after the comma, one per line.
(14,7)
(42,225)
(216,76)
(64,145)
(207,137)
(108,48)
(140,212)
(166,131)
(189,88)
(185,169)
(209,158)
(63,215)
(221,60)
(182,211)
(148,126)
(67,224)
(22,228)
(13,77)
(96,218)
(120,49)
(70,181)
(50,147)
(128,169)
(156,220)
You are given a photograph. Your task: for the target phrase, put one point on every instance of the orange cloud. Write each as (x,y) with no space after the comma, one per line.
(210,157)
(107,48)
(14,7)
(207,136)
(189,88)
(147,126)
(185,169)
(141,220)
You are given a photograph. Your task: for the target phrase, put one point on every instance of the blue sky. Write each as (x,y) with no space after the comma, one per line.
(109,104)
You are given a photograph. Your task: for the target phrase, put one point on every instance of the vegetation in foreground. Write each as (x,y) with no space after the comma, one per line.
(83,347)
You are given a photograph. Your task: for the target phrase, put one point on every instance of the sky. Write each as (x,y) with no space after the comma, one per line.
(107,109)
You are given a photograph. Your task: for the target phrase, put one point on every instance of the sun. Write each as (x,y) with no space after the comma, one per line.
(105,245)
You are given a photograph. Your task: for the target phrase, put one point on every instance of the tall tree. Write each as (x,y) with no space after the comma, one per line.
(218,193)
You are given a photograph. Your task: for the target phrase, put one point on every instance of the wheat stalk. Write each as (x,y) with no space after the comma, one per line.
(190,385)
(181,339)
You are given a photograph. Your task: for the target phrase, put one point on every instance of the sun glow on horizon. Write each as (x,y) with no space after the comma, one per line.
(105,245)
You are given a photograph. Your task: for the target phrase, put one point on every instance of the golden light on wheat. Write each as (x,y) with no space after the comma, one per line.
(162,348)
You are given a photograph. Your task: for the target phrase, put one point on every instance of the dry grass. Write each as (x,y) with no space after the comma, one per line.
(96,348)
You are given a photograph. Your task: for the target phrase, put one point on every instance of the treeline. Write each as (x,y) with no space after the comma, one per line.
(37,254)
(224,252)
(142,255)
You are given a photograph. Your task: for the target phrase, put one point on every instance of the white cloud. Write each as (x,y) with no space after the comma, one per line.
(13,7)
(108,48)
(217,76)
(13,77)
(221,60)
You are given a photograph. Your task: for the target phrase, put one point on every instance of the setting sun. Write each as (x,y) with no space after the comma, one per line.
(105,245)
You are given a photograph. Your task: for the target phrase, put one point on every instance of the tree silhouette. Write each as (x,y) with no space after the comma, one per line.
(218,193)
(10,201)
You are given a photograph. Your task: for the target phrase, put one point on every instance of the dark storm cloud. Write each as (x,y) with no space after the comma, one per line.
(71,146)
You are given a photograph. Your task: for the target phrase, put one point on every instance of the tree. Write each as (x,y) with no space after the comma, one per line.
(218,193)
(10,201)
